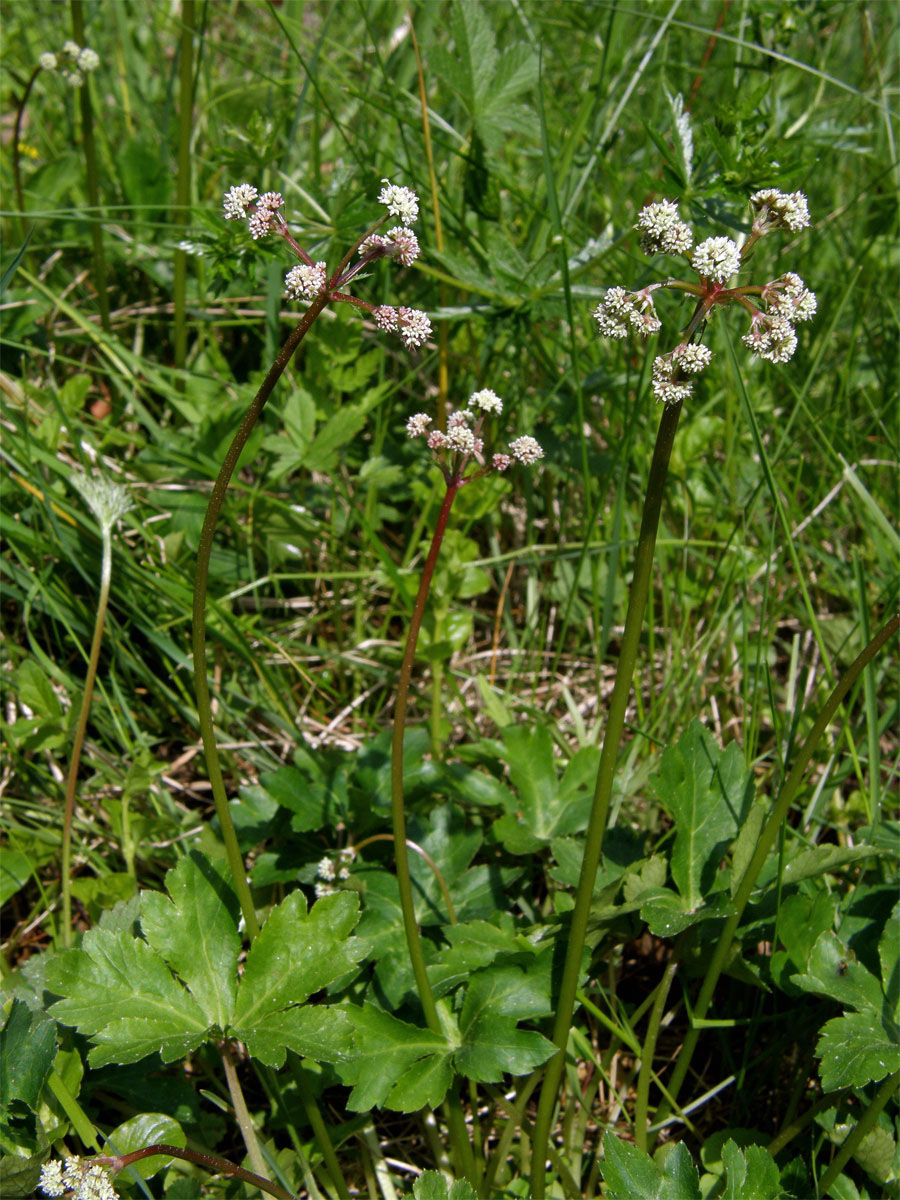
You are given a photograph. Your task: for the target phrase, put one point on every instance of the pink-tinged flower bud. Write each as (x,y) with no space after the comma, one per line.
(417,425)
(304,282)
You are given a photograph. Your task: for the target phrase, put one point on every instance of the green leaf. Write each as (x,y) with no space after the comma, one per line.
(147,1129)
(889,954)
(494,1046)
(820,859)
(320,1032)
(15,871)
(832,971)
(431,1185)
(545,806)
(27,1050)
(118,990)
(631,1174)
(706,790)
(196,933)
(855,1049)
(752,1173)
(295,954)
(386,1051)
(667,914)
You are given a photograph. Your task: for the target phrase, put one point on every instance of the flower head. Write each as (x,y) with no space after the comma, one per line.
(662,229)
(401,202)
(108,501)
(718,258)
(621,311)
(88,60)
(771,337)
(304,282)
(47,62)
(487,401)
(668,388)
(72,49)
(417,425)
(237,201)
(775,208)
(789,297)
(403,244)
(415,328)
(526,450)
(80,1180)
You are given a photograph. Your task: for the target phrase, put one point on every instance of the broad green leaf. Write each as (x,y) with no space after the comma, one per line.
(196,933)
(320,1032)
(494,1047)
(431,1185)
(832,971)
(545,806)
(667,914)
(877,1155)
(751,1174)
(296,953)
(15,871)
(118,987)
(820,859)
(889,954)
(631,1174)
(27,1050)
(705,789)
(855,1049)
(147,1129)
(424,1084)
(385,1049)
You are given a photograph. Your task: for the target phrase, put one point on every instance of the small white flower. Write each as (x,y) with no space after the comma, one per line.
(622,310)
(460,438)
(324,889)
(386,318)
(487,400)
(304,282)
(415,328)
(400,202)
(88,60)
(436,440)
(526,450)
(74,78)
(72,49)
(325,869)
(51,1181)
(772,338)
(271,201)
(718,258)
(373,242)
(788,210)
(789,297)
(666,387)
(237,200)
(47,62)
(500,462)
(417,425)
(691,358)
(404,245)
(260,223)
(662,229)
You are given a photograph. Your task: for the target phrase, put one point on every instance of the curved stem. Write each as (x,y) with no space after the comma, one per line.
(16,155)
(763,846)
(426,857)
(637,603)
(78,740)
(201,581)
(219,1166)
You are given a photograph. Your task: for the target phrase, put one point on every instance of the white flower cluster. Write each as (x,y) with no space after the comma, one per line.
(330,869)
(526,450)
(775,208)
(662,229)
(621,311)
(461,439)
(412,324)
(237,201)
(303,282)
(772,335)
(669,370)
(264,214)
(79,1180)
(108,501)
(77,62)
(400,202)
(400,243)
(487,401)
(718,258)
(789,297)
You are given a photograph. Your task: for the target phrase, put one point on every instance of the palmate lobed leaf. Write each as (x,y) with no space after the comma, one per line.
(196,933)
(385,1050)
(751,1171)
(320,1032)
(494,1047)
(707,791)
(630,1173)
(856,1049)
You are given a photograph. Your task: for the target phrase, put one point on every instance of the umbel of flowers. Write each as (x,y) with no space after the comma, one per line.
(774,308)
(309,279)
(73,62)
(462,440)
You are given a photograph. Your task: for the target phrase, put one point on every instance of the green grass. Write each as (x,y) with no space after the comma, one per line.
(777,557)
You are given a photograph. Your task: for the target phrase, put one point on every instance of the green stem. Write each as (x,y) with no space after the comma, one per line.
(763,846)
(201,582)
(80,730)
(91,175)
(17,137)
(637,602)
(648,1049)
(861,1129)
(319,1128)
(453,1110)
(242,1114)
(218,1166)
(183,180)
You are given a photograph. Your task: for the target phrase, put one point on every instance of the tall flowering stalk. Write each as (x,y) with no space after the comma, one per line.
(311,281)
(459,451)
(773,308)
